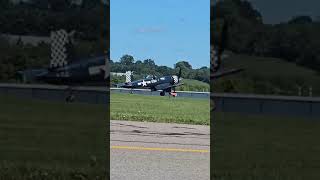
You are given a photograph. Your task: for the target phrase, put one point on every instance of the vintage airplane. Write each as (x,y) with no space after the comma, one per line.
(85,72)
(61,71)
(168,83)
(163,84)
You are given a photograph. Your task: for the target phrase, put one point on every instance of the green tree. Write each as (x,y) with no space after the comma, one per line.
(127,60)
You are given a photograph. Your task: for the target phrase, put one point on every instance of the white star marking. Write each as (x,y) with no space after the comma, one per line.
(144,83)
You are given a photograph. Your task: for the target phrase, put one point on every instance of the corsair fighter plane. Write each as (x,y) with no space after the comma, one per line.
(163,84)
(61,71)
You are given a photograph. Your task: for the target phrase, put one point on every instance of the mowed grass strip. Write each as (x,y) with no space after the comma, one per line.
(265,147)
(159,109)
(39,138)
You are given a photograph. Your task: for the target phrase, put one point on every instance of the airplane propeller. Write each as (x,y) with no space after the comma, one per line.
(217,55)
(221,47)
(179,75)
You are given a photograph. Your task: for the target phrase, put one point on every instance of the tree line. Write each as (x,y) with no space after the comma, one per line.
(292,49)
(40,17)
(296,41)
(148,67)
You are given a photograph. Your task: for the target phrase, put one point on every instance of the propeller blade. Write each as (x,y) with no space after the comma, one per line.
(224,38)
(179,75)
(217,53)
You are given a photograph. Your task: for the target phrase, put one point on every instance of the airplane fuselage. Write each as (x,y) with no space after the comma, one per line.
(164,83)
(87,72)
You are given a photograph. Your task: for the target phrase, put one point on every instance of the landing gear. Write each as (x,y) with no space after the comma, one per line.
(162,93)
(71,97)
(173,94)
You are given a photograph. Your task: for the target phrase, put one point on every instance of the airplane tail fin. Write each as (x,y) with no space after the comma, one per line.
(61,44)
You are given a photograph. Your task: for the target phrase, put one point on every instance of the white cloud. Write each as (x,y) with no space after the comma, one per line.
(150,30)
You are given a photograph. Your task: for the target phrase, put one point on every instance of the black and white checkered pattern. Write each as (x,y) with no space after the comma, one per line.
(59,39)
(128,76)
(175,79)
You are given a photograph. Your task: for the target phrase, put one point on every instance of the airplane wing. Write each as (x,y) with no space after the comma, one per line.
(167,86)
(176,85)
(123,85)
(225,73)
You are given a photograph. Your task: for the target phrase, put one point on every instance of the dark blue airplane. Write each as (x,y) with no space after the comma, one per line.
(163,84)
(63,71)
(90,71)
(82,73)
(168,83)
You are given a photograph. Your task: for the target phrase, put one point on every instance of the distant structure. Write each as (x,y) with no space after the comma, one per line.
(117,74)
(76,2)
(33,40)
(128,75)
(20,1)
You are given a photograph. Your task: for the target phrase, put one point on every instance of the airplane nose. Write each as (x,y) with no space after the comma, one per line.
(175,79)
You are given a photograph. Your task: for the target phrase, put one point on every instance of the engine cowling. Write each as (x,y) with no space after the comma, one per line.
(175,79)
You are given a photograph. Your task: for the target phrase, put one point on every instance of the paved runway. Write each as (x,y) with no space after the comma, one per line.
(153,151)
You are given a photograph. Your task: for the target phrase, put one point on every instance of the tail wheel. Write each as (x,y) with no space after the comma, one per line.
(70,97)
(162,93)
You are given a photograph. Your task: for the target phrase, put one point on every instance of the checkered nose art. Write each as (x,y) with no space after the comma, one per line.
(175,79)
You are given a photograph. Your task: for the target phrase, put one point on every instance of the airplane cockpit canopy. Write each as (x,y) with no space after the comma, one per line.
(150,77)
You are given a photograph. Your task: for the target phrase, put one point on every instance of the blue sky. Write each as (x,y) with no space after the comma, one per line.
(166,31)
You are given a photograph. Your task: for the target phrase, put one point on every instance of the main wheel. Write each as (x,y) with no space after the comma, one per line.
(162,93)
(70,98)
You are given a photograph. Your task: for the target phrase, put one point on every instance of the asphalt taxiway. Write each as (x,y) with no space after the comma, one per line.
(144,150)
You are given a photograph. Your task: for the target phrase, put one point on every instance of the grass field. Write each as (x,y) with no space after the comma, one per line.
(247,147)
(193,85)
(268,66)
(274,73)
(48,140)
(159,109)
